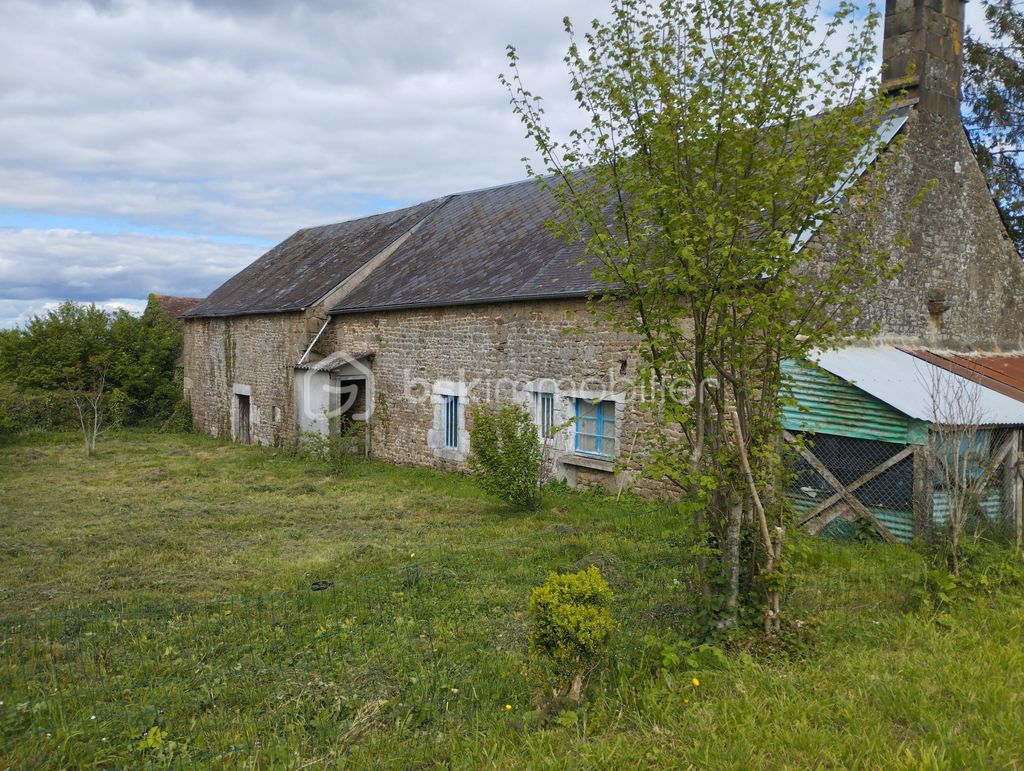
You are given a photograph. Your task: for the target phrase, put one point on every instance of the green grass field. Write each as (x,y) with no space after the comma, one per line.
(156,610)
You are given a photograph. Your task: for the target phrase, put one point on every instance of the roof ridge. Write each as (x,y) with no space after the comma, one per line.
(364,217)
(356,277)
(492,187)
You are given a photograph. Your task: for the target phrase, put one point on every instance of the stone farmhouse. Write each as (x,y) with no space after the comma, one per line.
(403,320)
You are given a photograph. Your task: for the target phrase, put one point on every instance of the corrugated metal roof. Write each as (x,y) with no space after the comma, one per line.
(485,246)
(887,131)
(298,272)
(914,386)
(1000,372)
(830,405)
(333,361)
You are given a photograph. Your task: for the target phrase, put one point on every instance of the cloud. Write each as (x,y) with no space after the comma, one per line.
(259,118)
(246,119)
(17,313)
(39,268)
(239,120)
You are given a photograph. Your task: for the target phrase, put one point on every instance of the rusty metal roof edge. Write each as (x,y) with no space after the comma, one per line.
(460,303)
(974,373)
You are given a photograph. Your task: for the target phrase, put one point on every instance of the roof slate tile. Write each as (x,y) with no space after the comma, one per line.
(299,271)
(483,246)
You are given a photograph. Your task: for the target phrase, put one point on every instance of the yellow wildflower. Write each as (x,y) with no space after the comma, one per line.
(695,682)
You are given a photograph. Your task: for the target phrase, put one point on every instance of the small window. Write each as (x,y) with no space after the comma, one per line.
(545,403)
(451,422)
(595,427)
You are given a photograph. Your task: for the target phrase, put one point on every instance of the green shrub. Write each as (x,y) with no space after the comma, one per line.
(24,412)
(985,568)
(119,408)
(337,448)
(572,628)
(506,454)
(180,419)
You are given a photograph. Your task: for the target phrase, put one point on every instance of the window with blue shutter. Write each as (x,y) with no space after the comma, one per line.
(595,427)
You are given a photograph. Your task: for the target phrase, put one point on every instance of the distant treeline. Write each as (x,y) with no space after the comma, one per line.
(122,366)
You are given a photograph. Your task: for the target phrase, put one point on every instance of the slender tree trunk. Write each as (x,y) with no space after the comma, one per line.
(702,426)
(772,621)
(96,420)
(79,408)
(731,557)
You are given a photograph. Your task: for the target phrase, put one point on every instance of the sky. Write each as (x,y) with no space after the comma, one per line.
(162,145)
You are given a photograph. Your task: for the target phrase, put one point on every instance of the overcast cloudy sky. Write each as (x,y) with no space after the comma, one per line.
(161,145)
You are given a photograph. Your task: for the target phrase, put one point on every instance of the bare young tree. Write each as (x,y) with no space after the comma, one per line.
(962,454)
(90,404)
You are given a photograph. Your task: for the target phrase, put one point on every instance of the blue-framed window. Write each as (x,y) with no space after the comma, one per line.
(595,427)
(451,422)
(545,404)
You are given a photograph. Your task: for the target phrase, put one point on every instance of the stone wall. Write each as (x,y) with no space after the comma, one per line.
(227,356)
(921,52)
(962,285)
(486,354)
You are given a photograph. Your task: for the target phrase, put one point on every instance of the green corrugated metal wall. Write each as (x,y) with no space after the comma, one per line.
(821,402)
(991,504)
(827,404)
(900,523)
(830,405)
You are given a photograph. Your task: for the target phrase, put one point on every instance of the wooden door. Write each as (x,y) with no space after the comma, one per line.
(243,426)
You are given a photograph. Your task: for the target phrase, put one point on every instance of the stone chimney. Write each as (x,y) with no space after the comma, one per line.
(922,52)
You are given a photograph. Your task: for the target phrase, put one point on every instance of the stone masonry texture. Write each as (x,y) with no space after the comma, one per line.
(962,288)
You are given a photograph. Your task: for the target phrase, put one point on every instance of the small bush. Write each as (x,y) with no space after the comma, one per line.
(985,568)
(572,628)
(24,412)
(119,408)
(337,448)
(180,419)
(506,454)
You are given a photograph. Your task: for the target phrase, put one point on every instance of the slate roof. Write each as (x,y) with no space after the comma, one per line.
(299,271)
(483,246)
